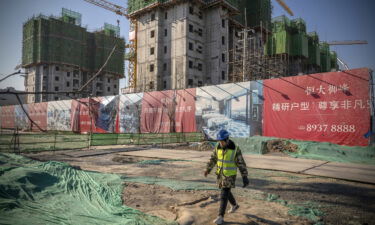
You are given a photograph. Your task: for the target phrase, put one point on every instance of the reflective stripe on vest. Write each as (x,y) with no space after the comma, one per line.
(226,162)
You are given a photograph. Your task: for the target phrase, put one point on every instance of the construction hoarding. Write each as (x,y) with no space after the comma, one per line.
(228,106)
(326,107)
(331,107)
(58,115)
(130,111)
(38,113)
(185,111)
(7,116)
(107,114)
(83,119)
(168,111)
(21,120)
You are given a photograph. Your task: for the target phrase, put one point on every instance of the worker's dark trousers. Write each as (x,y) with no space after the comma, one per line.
(226,195)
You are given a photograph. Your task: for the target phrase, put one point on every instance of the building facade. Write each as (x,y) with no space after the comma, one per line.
(193,43)
(182,44)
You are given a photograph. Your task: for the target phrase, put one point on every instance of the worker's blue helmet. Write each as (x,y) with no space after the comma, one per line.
(222,135)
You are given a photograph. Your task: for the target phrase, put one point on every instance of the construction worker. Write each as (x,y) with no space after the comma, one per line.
(228,157)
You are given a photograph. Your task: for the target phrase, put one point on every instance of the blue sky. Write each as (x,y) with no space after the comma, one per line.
(334,20)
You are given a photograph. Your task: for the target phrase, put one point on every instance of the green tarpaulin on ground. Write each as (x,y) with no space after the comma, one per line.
(33,192)
(312,150)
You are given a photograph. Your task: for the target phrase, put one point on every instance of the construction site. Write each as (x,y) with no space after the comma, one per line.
(249,46)
(212,86)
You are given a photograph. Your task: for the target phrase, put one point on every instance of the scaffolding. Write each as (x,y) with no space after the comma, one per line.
(285,50)
(248,61)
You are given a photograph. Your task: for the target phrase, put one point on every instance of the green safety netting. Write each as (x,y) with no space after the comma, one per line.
(313,49)
(308,210)
(144,139)
(252,145)
(63,40)
(325,57)
(333,152)
(44,141)
(312,150)
(65,140)
(35,192)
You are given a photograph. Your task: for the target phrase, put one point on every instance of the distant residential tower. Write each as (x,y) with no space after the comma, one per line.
(59,55)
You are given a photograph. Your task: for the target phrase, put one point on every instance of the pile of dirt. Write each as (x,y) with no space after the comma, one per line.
(280,145)
(205,146)
(195,146)
(128,159)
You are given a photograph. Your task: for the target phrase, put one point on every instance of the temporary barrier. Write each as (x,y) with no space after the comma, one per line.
(332,107)
(42,141)
(168,111)
(58,115)
(237,107)
(28,142)
(144,139)
(8,116)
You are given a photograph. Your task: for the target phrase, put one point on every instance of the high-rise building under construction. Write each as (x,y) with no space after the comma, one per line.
(59,55)
(183,44)
(190,43)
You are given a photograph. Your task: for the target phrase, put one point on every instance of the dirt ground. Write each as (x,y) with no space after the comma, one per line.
(271,198)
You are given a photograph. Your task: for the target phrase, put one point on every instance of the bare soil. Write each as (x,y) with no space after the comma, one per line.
(342,202)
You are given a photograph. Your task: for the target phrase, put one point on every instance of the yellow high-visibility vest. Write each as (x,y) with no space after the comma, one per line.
(226,161)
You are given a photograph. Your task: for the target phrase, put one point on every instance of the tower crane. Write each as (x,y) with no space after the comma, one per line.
(286,8)
(357,42)
(347,43)
(132,46)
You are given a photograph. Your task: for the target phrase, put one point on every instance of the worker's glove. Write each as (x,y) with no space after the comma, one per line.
(245,181)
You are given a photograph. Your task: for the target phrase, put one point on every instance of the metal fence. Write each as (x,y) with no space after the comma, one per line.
(29,142)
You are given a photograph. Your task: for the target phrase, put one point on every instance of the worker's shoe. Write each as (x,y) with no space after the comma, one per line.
(219,220)
(233,208)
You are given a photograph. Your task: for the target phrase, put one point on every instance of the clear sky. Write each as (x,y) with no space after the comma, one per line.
(334,20)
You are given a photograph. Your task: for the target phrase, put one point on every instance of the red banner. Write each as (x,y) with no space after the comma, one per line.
(7,116)
(38,113)
(328,107)
(185,111)
(80,115)
(168,111)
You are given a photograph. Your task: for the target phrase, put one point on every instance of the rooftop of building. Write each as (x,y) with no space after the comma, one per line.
(138,7)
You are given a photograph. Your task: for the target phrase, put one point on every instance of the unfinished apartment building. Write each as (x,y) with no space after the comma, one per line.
(59,55)
(192,43)
(182,44)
